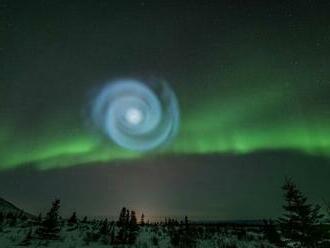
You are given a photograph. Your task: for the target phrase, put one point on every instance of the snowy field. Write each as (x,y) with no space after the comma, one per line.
(90,235)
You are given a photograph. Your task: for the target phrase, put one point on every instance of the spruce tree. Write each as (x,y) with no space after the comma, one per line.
(122,217)
(133,228)
(133,220)
(300,225)
(142,220)
(127,217)
(85,220)
(73,219)
(122,223)
(50,226)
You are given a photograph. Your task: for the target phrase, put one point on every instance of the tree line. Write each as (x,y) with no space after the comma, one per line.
(301,225)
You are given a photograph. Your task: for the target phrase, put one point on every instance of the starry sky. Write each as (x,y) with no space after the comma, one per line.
(252,82)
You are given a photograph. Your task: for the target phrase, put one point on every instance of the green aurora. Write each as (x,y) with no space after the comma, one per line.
(257,120)
(241,87)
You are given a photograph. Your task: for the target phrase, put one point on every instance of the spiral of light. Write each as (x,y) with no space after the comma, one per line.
(137,115)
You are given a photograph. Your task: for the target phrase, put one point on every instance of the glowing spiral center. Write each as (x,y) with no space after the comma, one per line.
(137,115)
(134,116)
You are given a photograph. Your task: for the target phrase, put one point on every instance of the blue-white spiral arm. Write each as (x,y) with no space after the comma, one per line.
(137,115)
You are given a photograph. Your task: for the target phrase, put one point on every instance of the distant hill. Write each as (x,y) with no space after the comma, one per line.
(7,207)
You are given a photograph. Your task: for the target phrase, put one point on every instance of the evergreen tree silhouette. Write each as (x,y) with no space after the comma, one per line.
(122,217)
(85,220)
(50,226)
(123,223)
(133,228)
(142,220)
(105,232)
(73,219)
(128,227)
(133,220)
(186,222)
(127,217)
(189,235)
(300,225)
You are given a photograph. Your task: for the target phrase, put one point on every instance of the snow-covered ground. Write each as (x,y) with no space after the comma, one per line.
(24,234)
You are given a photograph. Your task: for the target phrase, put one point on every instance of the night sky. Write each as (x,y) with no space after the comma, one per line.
(252,81)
